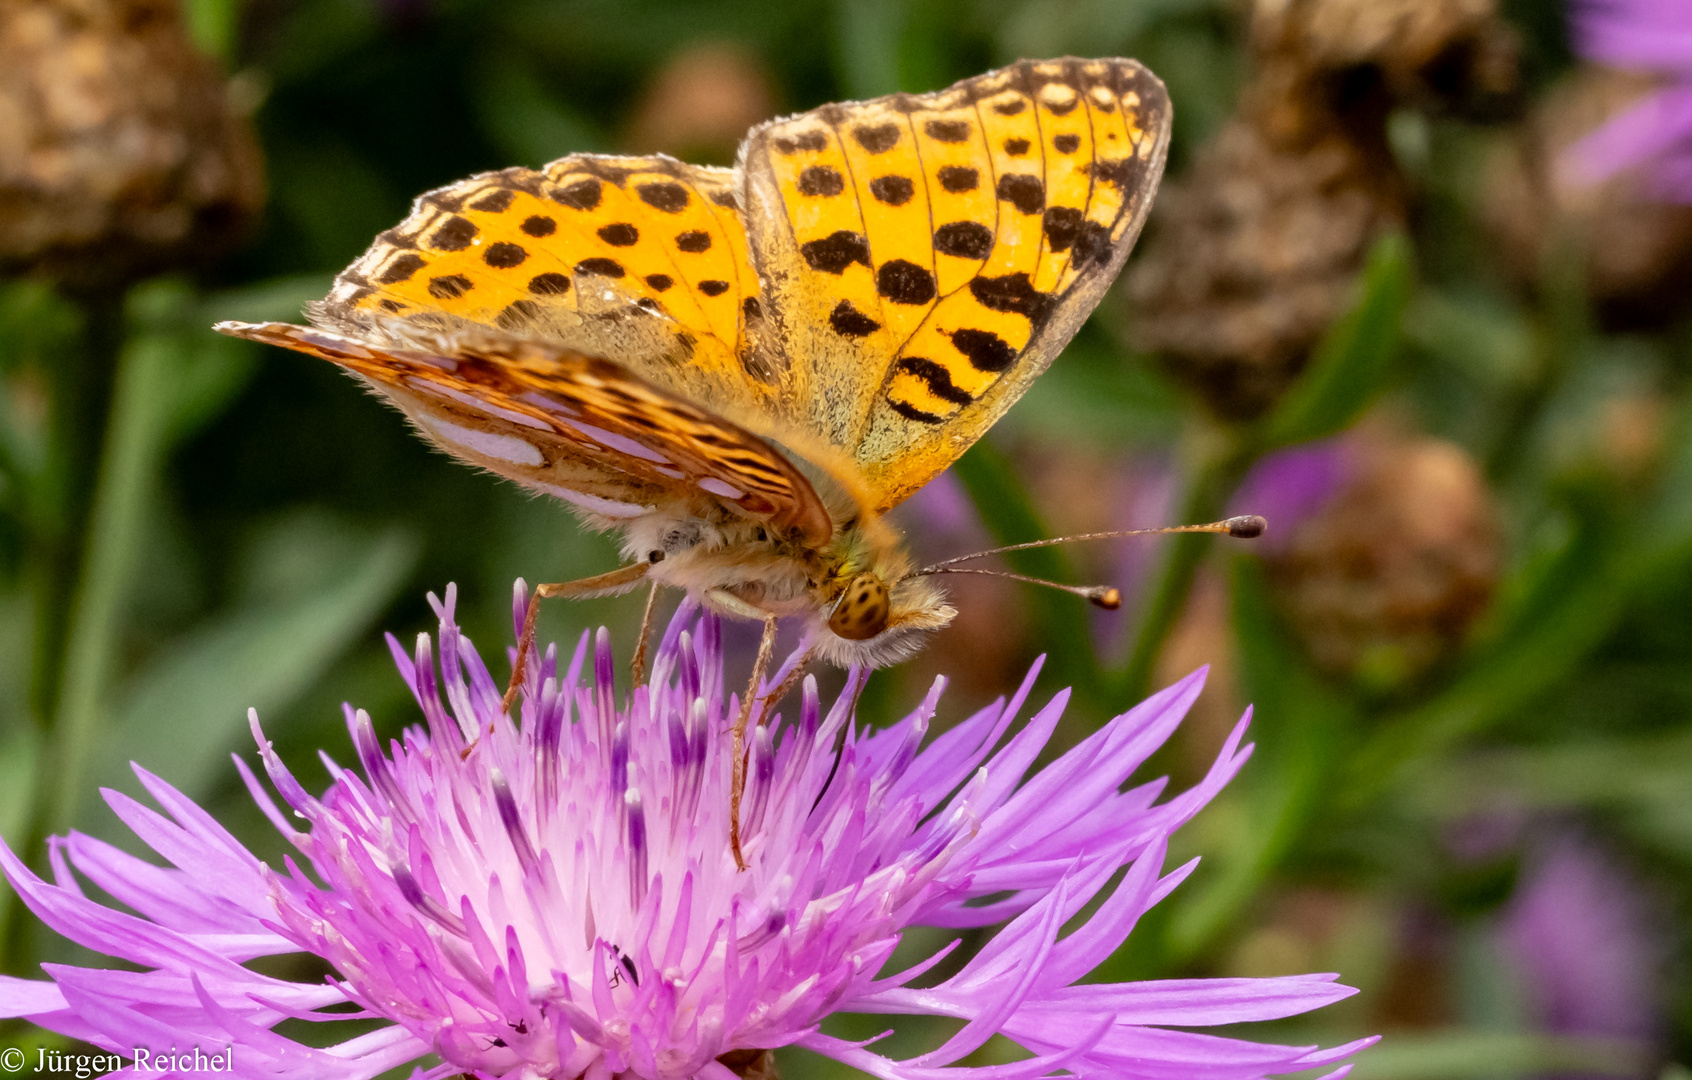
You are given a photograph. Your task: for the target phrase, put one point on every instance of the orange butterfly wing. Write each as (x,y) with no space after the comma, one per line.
(927,256)
(639,259)
(580,428)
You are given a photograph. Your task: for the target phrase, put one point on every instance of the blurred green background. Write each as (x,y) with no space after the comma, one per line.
(1365,308)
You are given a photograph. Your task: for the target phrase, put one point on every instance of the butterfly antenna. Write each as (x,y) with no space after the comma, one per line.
(1105,596)
(1242,527)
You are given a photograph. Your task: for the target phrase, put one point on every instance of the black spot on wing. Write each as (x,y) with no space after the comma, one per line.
(1115,173)
(610,268)
(659,282)
(517,314)
(904,282)
(1062,225)
(835,252)
(808,140)
(549,284)
(449,286)
(1013,293)
(713,287)
(693,241)
(911,412)
(454,234)
(619,234)
(936,378)
(1067,143)
(848,321)
(877,139)
(583,194)
(391,306)
(750,308)
(964,239)
(986,350)
(950,131)
(1092,246)
(1010,108)
(892,190)
(959,178)
(504,255)
(496,201)
(1016,147)
(821,181)
(539,225)
(401,268)
(1023,191)
(663,195)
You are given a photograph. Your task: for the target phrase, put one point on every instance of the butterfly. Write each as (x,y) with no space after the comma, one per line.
(744,369)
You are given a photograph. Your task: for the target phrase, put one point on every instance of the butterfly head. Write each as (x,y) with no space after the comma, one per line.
(872,612)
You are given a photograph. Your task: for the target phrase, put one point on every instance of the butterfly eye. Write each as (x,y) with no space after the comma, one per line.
(862,610)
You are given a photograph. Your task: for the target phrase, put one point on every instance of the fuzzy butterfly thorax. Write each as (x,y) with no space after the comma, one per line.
(745,369)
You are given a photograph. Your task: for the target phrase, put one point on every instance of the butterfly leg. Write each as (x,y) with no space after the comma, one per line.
(737,786)
(638,668)
(610,584)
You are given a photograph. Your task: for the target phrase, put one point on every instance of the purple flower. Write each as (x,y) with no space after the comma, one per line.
(1650,36)
(555,897)
(1580,930)
(1293,485)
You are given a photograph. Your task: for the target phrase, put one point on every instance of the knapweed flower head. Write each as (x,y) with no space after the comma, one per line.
(1654,134)
(553,895)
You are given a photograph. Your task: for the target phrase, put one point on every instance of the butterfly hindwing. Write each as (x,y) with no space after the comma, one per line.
(928,255)
(574,426)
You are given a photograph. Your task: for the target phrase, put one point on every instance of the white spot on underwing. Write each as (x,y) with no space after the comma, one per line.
(607,507)
(717,487)
(620,443)
(486,443)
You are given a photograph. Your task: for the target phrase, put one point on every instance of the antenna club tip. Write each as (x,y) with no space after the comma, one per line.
(1106,597)
(1246,526)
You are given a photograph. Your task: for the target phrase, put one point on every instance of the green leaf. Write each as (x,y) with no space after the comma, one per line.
(1299,726)
(187,710)
(1351,365)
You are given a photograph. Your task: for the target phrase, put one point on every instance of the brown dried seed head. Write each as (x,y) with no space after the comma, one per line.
(120,153)
(1386,580)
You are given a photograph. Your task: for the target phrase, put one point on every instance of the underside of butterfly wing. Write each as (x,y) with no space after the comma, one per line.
(574,426)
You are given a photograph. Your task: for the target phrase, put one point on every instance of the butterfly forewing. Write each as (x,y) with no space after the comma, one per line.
(574,426)
(639,258)
(934,252)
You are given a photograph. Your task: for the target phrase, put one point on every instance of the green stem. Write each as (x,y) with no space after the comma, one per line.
(1210,481)
(135,435)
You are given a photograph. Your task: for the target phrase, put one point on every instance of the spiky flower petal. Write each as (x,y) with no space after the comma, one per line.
(555,896)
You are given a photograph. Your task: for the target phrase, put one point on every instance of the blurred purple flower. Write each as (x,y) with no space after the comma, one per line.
(556,897)
(1580,931)
(1650,36)
(1292,485)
